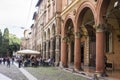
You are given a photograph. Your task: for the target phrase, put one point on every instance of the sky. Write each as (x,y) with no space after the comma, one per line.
(15,14)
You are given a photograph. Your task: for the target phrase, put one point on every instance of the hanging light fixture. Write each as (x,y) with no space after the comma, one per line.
(117,5)
(115,8)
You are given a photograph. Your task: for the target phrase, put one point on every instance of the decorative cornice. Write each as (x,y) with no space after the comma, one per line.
(69,7)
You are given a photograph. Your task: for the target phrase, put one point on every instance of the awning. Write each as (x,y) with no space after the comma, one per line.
(27,51)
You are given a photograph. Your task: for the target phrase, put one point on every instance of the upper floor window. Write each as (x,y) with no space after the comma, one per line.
(53,7)
(49,12)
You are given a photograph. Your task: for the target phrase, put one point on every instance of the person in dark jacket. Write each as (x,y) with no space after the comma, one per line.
(19,63)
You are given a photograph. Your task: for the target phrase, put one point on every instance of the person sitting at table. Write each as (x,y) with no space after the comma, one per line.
(50,61)
(47,62)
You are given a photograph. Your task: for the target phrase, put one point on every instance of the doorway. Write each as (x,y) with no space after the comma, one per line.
(82,53)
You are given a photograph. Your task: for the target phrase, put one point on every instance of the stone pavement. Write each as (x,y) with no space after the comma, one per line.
(53,73)
(42,73)
(26,73)
(3,77)
(12,72)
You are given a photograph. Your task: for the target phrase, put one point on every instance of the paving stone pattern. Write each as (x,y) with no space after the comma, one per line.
(12,72)
(52,73)
(41,73)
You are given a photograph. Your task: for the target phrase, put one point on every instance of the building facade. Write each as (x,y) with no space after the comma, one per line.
(78,32)
(27,40)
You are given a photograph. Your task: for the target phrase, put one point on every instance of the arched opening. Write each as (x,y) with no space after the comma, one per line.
(52,43)
(69,36)
(110,15)
(53,30)
(92,45)
(48,44)
(44,45)
(48,34)
(88,37)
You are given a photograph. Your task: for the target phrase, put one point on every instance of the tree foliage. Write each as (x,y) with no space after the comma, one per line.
(0,41)
(0,38)
(14,43)
(5,41)
(8,43)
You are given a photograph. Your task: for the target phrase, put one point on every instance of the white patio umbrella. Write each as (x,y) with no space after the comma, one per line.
(27,51)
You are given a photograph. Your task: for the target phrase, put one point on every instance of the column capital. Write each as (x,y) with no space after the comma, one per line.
(51,39)
(77,34)
(101,27)
(64,39)
(57,36)
(47,41)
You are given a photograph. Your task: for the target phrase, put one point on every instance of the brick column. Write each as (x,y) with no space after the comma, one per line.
(77,54)
(100,49)
(64,53)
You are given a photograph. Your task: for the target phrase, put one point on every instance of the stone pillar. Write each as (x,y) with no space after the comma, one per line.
(47,49)
(52,48)
(44,50)
(100,49)
(57,43)
(77,53)
(63,53)
(57,50)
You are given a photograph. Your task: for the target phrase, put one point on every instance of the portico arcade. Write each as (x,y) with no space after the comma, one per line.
(87,38)
(82,33)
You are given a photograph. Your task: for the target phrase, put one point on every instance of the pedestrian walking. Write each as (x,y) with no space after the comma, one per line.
(8,62)
(4,60)
(13,60)
(0,60)
(19,63)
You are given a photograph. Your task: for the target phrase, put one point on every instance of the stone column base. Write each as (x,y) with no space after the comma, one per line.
(57,64)
(101,74)
(61,65)
(77,70)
